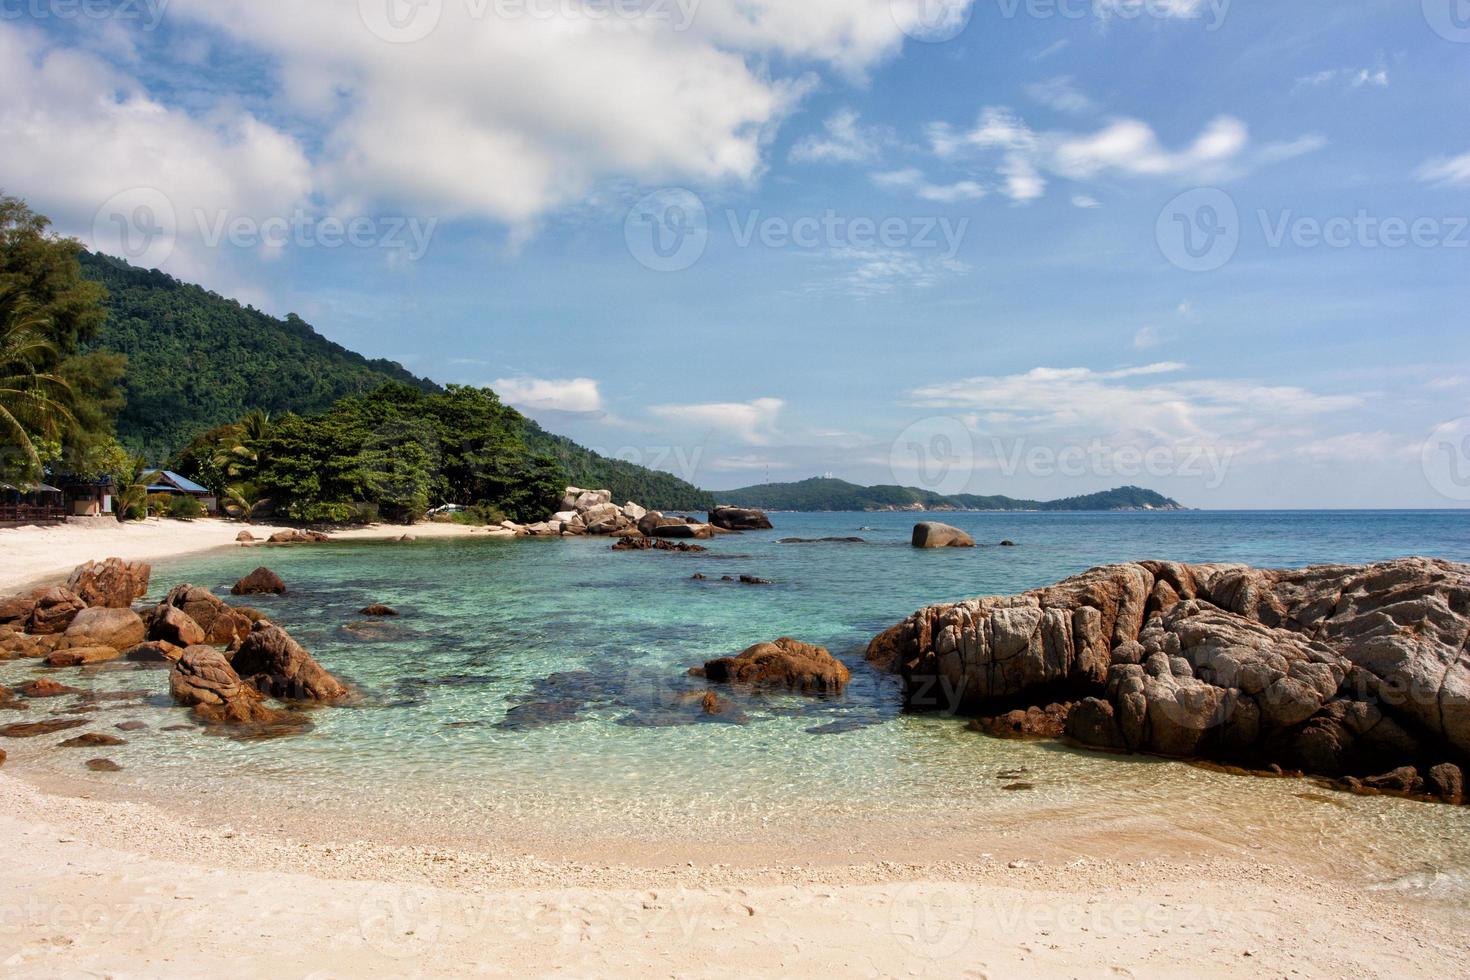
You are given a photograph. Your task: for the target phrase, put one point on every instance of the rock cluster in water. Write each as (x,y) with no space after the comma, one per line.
(226,663)
(592,512)
(1341,671)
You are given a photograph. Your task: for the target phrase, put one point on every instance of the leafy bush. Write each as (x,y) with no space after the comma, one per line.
(158,504)
(185,508)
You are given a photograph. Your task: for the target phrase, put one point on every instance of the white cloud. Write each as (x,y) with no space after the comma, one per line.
(1350,78)
(843,140)
(913,180)
(1060,93)
(1123,147)
(1145,338)
(77,132)
(550,395)
(753,423)
(486,115)
(1085,202)
(1442,170)
(1081,400)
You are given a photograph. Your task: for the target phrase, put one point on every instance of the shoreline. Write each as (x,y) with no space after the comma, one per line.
(113,882)
(46,555)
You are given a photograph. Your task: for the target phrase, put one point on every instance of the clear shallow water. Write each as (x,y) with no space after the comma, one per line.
(533,692)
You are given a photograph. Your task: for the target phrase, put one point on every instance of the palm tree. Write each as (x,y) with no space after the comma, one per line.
(239,455)
(132,495)
(242,500)
(33,402)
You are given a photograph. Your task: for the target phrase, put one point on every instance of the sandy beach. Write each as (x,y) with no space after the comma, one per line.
(37,554)
(98,887)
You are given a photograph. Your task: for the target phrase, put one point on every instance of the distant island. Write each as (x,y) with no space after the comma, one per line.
(825,494)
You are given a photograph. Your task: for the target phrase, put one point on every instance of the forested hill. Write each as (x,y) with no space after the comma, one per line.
(839,495)
(197,359)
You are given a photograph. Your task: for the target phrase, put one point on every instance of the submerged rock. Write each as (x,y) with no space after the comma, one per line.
(32,729)
(378,610)
(931,534)
(82,656)
(642,543)
(45,687)
(787,664)
(1048,722)
(103,765)
(93,740)
(1332,670)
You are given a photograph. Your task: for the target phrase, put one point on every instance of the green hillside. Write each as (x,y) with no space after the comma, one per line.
(197,359)
(839,495)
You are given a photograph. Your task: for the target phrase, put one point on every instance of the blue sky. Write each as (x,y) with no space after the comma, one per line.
(1037,248)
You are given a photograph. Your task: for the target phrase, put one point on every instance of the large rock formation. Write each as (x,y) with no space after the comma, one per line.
(54,610)
(739,519)
(113,583)
(932,534)
(786,664)
(1334,670)
(280,667)
(204,680)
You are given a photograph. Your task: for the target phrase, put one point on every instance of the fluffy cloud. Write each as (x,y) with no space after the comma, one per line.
(1123,147)
(67,109)
(914,181)
(753,423)
(1452,170)
(550,395)
(1061,94)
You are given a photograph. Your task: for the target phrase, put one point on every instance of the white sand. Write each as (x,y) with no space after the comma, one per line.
(111,889)
(33,554)
(93,887)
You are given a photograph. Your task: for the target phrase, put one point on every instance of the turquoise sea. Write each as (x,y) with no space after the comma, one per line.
(533,697)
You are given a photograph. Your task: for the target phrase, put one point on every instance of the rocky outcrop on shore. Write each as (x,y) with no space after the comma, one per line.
(1341,671)
(592,512)
(226,662)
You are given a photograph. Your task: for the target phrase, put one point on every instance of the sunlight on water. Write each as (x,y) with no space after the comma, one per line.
(535,690)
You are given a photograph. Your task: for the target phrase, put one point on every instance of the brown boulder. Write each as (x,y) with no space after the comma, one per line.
(932,534)
(111,584)
(379,610)
(222,624)
(204,676)
(262,581)
(739,519)
(1048,722)
(1447,782)
(280,667)
(106,626)
(786,663)
(15,610)
(245,537)
(54,610)
(171,625)
(103,765)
